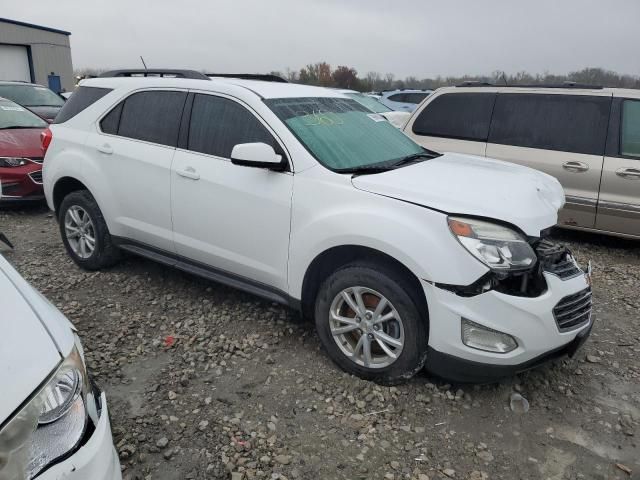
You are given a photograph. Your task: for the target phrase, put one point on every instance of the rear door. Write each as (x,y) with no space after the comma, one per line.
(453,122)
(619,202)
(135,143)
(560,134)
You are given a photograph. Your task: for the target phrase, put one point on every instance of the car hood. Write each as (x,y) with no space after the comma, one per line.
(21,143)
(48,113)
(468,185)
(34,338)
(397,119)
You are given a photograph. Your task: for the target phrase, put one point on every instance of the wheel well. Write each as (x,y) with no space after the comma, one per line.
(330,260)
(64,187)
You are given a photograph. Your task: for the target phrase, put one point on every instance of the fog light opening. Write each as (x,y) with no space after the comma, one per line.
(486,339)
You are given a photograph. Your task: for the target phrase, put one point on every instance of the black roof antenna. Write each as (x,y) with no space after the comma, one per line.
(145,65)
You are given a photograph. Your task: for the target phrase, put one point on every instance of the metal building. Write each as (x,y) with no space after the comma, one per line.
(33,53)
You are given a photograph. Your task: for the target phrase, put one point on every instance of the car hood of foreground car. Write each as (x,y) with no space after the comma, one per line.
(21,143)
(34,338)
(468,185)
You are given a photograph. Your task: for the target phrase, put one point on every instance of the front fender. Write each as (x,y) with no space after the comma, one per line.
(416,236)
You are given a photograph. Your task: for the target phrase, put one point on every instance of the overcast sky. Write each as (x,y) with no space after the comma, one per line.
(414,37)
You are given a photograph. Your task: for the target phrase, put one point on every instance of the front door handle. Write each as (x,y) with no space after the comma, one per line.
(633,173)
(105,148)
(189,172)
(575,166)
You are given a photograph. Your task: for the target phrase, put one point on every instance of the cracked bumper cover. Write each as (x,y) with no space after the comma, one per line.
(529,320)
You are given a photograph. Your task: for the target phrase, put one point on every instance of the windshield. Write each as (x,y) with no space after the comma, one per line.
(15,116)
(341,133)
(31,95)
(369,102)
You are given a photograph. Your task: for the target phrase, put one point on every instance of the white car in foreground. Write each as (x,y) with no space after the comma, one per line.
(301,195)
(54,422)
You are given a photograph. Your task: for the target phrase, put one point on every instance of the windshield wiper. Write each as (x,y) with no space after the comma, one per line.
(15,127)
(414,158)
(367,169)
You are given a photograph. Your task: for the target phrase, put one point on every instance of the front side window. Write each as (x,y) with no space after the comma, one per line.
(464,116)
(565,123)
(219,124)
(13,116)
(342,134)
(152,116)
(630,137)
(31,95)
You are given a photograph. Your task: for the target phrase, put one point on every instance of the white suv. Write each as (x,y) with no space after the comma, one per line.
(303,196)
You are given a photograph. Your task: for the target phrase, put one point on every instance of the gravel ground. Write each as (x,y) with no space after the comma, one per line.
(207,382)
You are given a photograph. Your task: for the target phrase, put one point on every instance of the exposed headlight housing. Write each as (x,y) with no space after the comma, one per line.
(51,425)
(8,162)
(486,339)
(498,247)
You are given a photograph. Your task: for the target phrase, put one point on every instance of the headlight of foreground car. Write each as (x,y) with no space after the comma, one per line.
(51,425)
(8,162)
(498,247)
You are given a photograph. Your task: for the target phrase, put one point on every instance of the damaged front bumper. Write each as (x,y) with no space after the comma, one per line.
(546,311)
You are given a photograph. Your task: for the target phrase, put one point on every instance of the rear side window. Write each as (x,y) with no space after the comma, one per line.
(82,98)
(630,137)
(464,116)
(219,124)
(414,97)
(149,116)
(398,97)
(565,123)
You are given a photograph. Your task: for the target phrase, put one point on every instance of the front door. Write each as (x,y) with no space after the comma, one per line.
(619,202)
(233,218)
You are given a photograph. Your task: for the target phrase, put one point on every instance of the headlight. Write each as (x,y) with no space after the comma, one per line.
(498,247)
(51,425)
(13,162)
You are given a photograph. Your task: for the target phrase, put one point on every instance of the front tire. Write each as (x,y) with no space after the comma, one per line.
(84,232)
(370,324)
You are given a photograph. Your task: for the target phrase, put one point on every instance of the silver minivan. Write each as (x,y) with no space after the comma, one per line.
(587,137)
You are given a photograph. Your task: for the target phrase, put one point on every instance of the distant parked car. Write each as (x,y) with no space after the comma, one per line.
(20,153)
(54,421)
(587,137)
(40,100)
(397,119)
(404,100)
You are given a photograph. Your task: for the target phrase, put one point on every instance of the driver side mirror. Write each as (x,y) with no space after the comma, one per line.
(258,155)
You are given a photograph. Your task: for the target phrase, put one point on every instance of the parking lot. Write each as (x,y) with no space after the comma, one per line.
(207,382)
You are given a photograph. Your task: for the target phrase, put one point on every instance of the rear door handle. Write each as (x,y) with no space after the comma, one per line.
(105,148)
(189,172)
(628,173)
(575,166)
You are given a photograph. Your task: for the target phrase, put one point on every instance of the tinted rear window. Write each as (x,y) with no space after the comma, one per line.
(466,116)
(82,98)
(152,117)
(218,125)
(630,128)
(415,97)
(565,123)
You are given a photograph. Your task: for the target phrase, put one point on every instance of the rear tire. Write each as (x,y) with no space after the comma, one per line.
(84,232)
(349,312)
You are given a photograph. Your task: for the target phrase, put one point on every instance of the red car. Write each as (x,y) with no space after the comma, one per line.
(20,153)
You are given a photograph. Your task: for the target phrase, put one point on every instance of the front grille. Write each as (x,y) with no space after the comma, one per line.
(557,260)
(573,311)
(36,177)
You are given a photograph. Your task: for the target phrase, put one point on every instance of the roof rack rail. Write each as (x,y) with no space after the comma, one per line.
(265,77)
(155,72)
(566,84)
